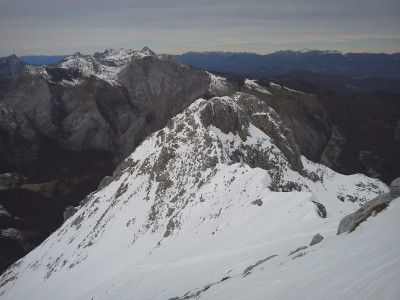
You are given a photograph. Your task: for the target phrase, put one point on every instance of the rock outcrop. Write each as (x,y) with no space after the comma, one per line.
(11,66)
(395,188)
(376,205)
(316,239)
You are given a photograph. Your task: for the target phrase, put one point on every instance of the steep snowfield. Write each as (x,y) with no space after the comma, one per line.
(253,85)
(362,265)
(198,203)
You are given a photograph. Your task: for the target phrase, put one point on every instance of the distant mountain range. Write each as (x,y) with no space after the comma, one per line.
(343,73)
(357,65)
(42,59)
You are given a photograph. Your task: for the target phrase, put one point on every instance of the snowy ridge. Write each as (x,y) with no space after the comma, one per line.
(105,65)
(3,211)
(321,51)
(253,85)
(278,86)
(193,207)
(218,84)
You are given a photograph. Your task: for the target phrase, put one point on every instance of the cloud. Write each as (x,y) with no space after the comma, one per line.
(56,26)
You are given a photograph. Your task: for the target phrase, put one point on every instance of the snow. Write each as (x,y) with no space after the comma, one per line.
(11,232)
(218,84)
(105,66)
(180,215)
(253,85)
(3,211)
(322,51)
(277,86)
(362,265)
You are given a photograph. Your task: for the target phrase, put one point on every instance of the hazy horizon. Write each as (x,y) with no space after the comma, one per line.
(194,51)
(49,27)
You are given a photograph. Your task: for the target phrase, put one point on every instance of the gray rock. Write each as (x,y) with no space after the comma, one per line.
(8,180)
(251,267)
(320,209)
(11,66)
(316,239)
(333,149)
(69,212)
(251,110)
(297,250)
(350,222)
(257,202)
(395,188)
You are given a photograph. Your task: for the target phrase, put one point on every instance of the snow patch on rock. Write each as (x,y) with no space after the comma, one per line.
(255,86)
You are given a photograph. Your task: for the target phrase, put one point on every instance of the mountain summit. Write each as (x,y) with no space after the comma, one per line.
(199,204)
(147,51)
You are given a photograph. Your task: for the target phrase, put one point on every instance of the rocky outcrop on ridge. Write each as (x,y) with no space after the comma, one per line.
(316,239)
(373,207)
(11,66)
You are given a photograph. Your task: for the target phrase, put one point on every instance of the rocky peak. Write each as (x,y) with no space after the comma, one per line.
(105,65)
(184,193)
(147,51)
(11,66)
(236,117)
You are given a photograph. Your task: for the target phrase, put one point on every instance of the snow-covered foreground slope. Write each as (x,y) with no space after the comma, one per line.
(199,202)
(362,265)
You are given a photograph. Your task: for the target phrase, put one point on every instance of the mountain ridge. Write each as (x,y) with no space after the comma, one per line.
(64,127)
(357,65)
(164,213)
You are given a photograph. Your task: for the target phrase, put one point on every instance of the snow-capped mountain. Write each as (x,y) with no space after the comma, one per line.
(66,126)
(79,67)
(210,207)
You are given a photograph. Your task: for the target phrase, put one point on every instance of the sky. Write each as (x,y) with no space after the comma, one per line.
(176,26)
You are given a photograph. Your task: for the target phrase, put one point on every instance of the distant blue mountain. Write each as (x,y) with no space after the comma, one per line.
(41,59)
(356,65)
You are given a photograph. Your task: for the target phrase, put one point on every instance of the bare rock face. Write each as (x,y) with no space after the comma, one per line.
(108,102)
(68,125)
(10,66)
(251,110)
(316,239)
(332,151)
(395,188)
(305,116)
(350,222)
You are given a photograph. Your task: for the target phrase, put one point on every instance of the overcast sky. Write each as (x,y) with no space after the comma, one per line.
(177,26)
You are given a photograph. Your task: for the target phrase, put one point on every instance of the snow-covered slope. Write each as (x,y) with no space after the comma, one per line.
(199,202)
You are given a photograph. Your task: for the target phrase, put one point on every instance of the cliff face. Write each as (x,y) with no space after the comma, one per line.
(11,66)
(106,102)
(66,126)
